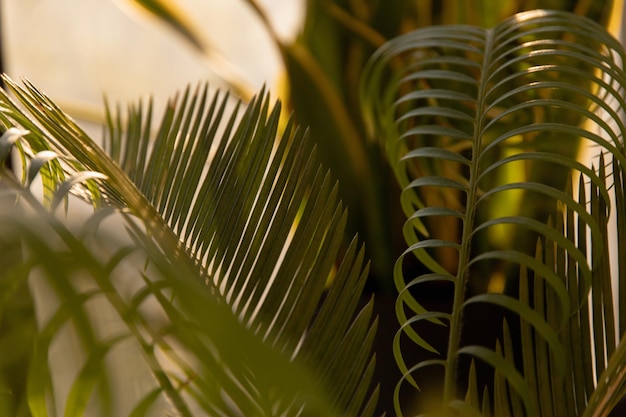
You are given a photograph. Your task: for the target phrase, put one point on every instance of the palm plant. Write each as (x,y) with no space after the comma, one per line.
(226,281)
(468,117)
(216,287)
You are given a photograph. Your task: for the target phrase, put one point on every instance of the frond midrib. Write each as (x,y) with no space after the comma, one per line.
(462,275)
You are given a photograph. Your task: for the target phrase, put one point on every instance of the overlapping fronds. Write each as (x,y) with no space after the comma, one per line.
(483,129)
(233,232)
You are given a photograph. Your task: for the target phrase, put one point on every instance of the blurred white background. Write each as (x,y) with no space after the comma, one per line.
(77,50)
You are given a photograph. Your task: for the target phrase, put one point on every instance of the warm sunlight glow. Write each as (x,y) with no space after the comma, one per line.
(497,282)
(529,15)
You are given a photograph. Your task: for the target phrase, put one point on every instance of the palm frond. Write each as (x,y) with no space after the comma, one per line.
(482,128)
(242,229)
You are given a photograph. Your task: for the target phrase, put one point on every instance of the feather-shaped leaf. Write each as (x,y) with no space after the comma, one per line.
(235,218)
(482,128)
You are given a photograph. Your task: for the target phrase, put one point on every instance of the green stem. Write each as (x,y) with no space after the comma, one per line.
(462,276)
(265,20)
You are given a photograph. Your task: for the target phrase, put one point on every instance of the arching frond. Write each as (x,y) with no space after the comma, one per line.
(239,228)
(483,129)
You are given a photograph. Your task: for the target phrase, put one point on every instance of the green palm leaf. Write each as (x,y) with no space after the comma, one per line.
(482,129)
(240,231)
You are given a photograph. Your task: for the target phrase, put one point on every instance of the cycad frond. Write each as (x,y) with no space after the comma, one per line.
(242,217)
(482,128)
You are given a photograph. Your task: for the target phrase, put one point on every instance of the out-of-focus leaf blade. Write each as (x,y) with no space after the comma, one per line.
(169,12)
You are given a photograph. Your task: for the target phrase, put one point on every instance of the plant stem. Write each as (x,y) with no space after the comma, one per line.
(462,277)
(265,20)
